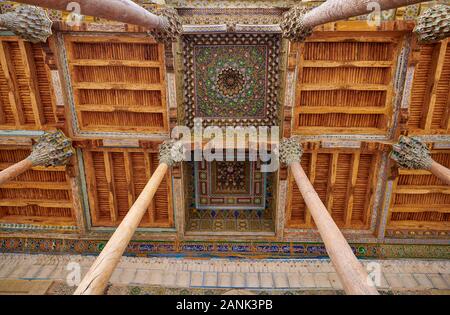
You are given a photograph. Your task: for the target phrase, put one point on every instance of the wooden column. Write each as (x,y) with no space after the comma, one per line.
(52,149)
(335,10)
(351,272)
(96,280)
(15,170)
(411,153)
(440,171)
(298,22)
(125,11)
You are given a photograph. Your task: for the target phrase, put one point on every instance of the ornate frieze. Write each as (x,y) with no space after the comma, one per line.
(221,4)
(219,248)
(255,16)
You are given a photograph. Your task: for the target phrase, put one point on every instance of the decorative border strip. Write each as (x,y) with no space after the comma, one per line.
(219,249)
(20,226)
(208,169)
(192,29)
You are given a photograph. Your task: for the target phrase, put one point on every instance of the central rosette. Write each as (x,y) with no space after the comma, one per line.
(230,82)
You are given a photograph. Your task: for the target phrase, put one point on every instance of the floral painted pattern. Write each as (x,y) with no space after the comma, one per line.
(231,81)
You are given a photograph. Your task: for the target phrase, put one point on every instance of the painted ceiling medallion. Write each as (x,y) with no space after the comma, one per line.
(230,82)
(232,79)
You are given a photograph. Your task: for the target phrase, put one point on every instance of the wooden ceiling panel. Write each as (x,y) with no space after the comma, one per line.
(430,96)
(118,83)
(26,95)
(420,200)
(116,177)
(345,83)
(345,182)
(40,196)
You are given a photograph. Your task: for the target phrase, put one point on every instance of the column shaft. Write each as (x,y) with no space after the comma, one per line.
(15,170)
(353,276)
(125,11)
(335,10)
(100,272)
(440,171)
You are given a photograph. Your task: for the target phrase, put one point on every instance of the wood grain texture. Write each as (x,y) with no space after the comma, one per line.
(351,272)
(118,83)
(100,272)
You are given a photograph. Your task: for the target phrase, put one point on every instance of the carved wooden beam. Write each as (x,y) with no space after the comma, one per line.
(353,276)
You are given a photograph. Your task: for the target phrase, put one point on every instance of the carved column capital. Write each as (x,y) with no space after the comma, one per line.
(171,152)
(52,149)
(29,22)
(410,153)
(434,24)
(290,151)
(292,24)
(170,28)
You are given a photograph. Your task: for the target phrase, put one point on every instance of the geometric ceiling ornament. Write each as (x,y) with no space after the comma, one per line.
(234,185)
(232,79)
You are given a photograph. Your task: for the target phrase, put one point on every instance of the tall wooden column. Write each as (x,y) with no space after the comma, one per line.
(125,11)
(100,272)
(298,22)
(165,25)
(51,149)
(351,272)
(411,153)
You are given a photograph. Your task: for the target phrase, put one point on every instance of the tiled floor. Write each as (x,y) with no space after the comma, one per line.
(227,273)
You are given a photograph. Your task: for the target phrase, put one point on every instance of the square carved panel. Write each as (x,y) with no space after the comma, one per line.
(229,185)
(232,79)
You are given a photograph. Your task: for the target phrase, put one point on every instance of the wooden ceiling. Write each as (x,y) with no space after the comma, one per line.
(118,83)
(420,200)
(115,177)
(430,97)
(122,92)
(345,83)
(345,180)
(40,196)
(26,96)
